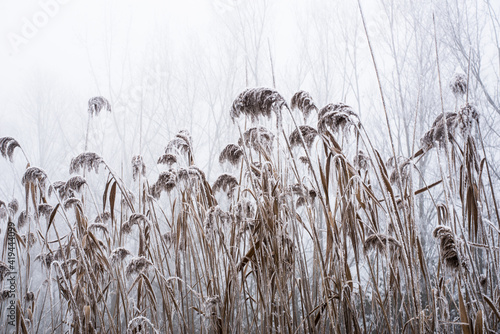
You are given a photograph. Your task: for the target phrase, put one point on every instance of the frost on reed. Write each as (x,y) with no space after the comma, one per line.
(226,183)
(13,206)
(86,160)
(119,254)
(295,249)
(259,138)
(137,265)
(35,176)
(138,167)
(4,270)
(231,153)
(308,133)
(23,219)
(337,117)
(303,101)
(449,251)
(442,130)
(7,147)
(97,104)
(257,102)
(167,159)
(45,210)
(458,84)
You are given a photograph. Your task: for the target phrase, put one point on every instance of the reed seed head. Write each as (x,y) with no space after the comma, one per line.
(97,104)
(84,160)
(7,147)
(231,153)
(303,101)
(308,133)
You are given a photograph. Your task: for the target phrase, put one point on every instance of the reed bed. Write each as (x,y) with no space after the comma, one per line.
(310,229)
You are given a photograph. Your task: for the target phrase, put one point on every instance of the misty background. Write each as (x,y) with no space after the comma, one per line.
(172,65)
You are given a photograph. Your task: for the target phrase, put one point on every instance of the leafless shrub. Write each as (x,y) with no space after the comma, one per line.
(97,104)
(7,147)
(308,133)
(88,160)
(138,167)
(256,102)
(231,153)
(303,101)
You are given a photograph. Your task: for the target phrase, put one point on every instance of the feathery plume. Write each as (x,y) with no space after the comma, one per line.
(13,206)
(7,147)
(23,219)
(379,241)
(259,138)
(362,160)
(60,187)
(29,239)
(45,259)
(337,117)
(138,167)
(166,182)
(35,175)
(119,254)
(244,210)
(4,270)
(458,84)
(308,133)
(103,217)
(71,202)
(74,184)
(137,265)
(97,104)
(84,160)
(303,101)
(449,251)
(182,142)
(99,227)
(45,210)
(256,102)
(227,183)
(231,153)
(167,159)
(437,130)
